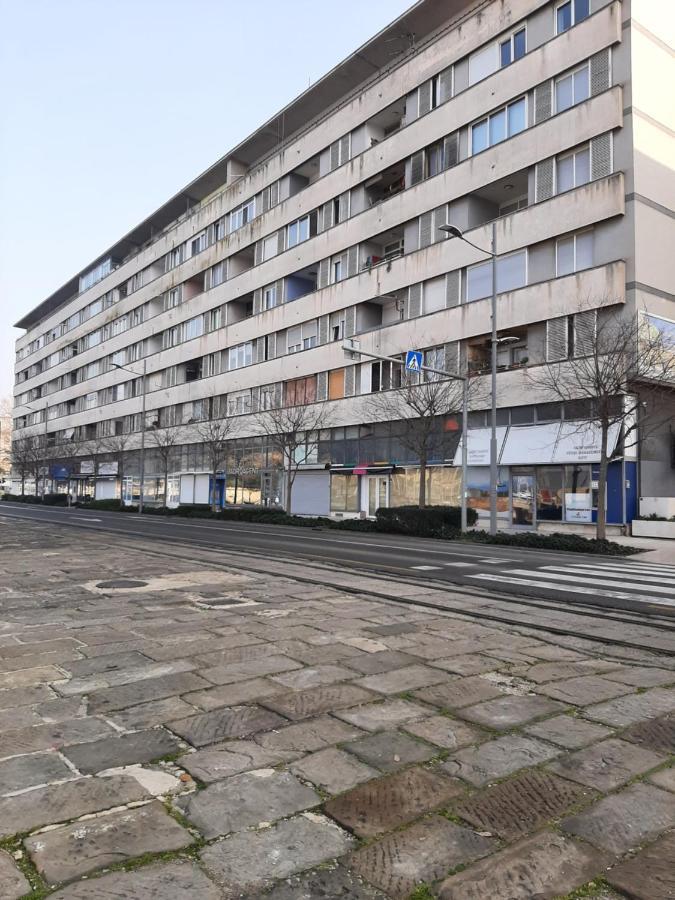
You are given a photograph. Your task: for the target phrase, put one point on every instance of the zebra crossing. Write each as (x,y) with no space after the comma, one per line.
(652,583)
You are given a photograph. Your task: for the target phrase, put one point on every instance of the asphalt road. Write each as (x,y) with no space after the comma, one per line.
(618,583)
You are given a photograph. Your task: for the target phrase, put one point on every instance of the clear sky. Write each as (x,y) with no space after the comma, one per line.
(109,108)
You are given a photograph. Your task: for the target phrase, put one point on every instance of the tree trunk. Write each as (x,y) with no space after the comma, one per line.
(423,480)
(166,487)
(120,475)
(289,486)
(23,485)
(601,529)
(214,500)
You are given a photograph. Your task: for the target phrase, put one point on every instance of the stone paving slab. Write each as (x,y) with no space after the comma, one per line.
(390,750)
(607,765)
(387,803)
(424,852)
(250,861)
(333,770)
(220,724)
(498,758)
(12,882)
(445,732)
(112,699)
(52,737)
(654,734)
(303,704)
(308,736)
(470,664)
(543,867)
(245,801)
(22,772)
(233,694)
(386,714)
(232,758)
(665,779)
(633,708)
(310,677)
(650,874)
(177,880)
(568,731)
(460,692)
(624,821)
(642,676)
(326,883)
(61,802)
(244,671)
(505,713)
(522,804)
(378,663)
(9,699)
(584,691)
(406,679)
(148,715)
(123,750)
(111,662)
(82,847)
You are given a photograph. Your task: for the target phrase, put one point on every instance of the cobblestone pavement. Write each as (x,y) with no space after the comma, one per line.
(173,724)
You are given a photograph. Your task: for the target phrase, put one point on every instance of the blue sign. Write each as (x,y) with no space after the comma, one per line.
(60,472)
(413,361)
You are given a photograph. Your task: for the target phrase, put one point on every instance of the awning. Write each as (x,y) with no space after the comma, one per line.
(559,442)
(479,447)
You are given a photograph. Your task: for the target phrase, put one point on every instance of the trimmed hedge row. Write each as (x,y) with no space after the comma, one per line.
(572,543)
(431,521)
(47,500)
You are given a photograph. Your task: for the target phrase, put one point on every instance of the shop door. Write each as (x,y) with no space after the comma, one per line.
(378,493)
(522,499)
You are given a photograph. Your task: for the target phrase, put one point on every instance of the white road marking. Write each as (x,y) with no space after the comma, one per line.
(425,568)
(609,573)
(461,565)
(572,589)
(86,519)
(593,581)
(493,560)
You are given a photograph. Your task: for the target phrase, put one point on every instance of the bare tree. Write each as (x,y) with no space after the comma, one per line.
(421,406)
(165,440)
(116,445)
(620,365)
(5,435)
(23,454)
(215,435)
(294,432)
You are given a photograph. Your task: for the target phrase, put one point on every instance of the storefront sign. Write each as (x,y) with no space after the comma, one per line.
(87,467)
(530,444)
(578,507)
(581,442)
(578,515)
(479,447)
(108,468)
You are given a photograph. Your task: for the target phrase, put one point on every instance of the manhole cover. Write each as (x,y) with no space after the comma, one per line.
(121,583)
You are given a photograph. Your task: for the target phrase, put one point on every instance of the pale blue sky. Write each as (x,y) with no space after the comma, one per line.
(111,106)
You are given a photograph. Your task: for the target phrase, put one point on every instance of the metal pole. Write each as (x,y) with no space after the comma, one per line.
(140,498)
(465,448)
(44,468)
(493,411)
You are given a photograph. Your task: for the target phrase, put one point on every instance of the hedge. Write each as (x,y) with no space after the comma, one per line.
(47,499)
(573,543)
(430,521)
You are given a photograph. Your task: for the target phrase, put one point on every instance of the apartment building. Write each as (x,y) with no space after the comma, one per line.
(551,119)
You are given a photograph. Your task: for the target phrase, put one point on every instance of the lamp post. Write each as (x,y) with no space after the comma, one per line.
(142,460)
(454,231)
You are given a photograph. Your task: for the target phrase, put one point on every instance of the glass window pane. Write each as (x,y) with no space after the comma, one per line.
(505,53)
(581,10)
(479,136)
(584,250)
(564,17)
(522,415)
(565,174)
(497,127)
(482,63)
(519,44)
(517,117)
(582,164)
(479,281)
(565,256)
(550,493)
(581,88)
(511,272)
(564,94)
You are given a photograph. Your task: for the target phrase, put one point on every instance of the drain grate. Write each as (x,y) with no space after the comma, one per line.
(121,583)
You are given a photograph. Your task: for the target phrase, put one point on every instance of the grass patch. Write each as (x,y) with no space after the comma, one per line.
(594,888)
(422,892)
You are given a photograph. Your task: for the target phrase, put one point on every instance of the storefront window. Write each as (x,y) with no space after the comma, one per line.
(405,488)
(578,494)
(478,485)
(344,493)
(444,486)
(550,493)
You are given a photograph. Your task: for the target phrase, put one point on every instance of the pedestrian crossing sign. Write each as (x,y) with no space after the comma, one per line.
(413,361)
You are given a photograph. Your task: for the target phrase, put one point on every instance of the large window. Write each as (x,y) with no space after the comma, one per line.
(511,274)
(574,253)
(572,89)
(571,13)
(301,337)
(497,127)
(573,170)
(344,493)
(483,63)
(270,296)
(193,328)
(301,391)
(512,48)
(298,232)
(240,356)
(241,216)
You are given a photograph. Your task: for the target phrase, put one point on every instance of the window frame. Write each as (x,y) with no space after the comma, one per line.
(573,15)
(510,40)
(575,266)
(584,148)
(571,75)
(486,120)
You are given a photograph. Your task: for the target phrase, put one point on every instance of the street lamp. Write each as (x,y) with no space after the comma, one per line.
(133,372)
(454,232)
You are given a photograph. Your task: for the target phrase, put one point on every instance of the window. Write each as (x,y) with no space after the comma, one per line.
(501,124)
(172,298)
(240,356)
(270,297)
(336,384)
(573,170)
(96,274)
(344,493)
(571,13)
(434,159)
(512,48)
(482,63)
(294,339)
(218,274)
(572,89)
(174,258)
(241,216)
(337,270)
(574,253)
(511,274)
(193,328)
(298,232)
(301,337)
(198,243)
(300,391)
(385,376)
(435,359)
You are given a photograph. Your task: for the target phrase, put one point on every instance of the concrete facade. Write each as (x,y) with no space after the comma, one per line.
(552,119)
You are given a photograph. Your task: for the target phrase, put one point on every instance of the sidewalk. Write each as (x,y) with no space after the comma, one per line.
(656,550)
(175,723)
